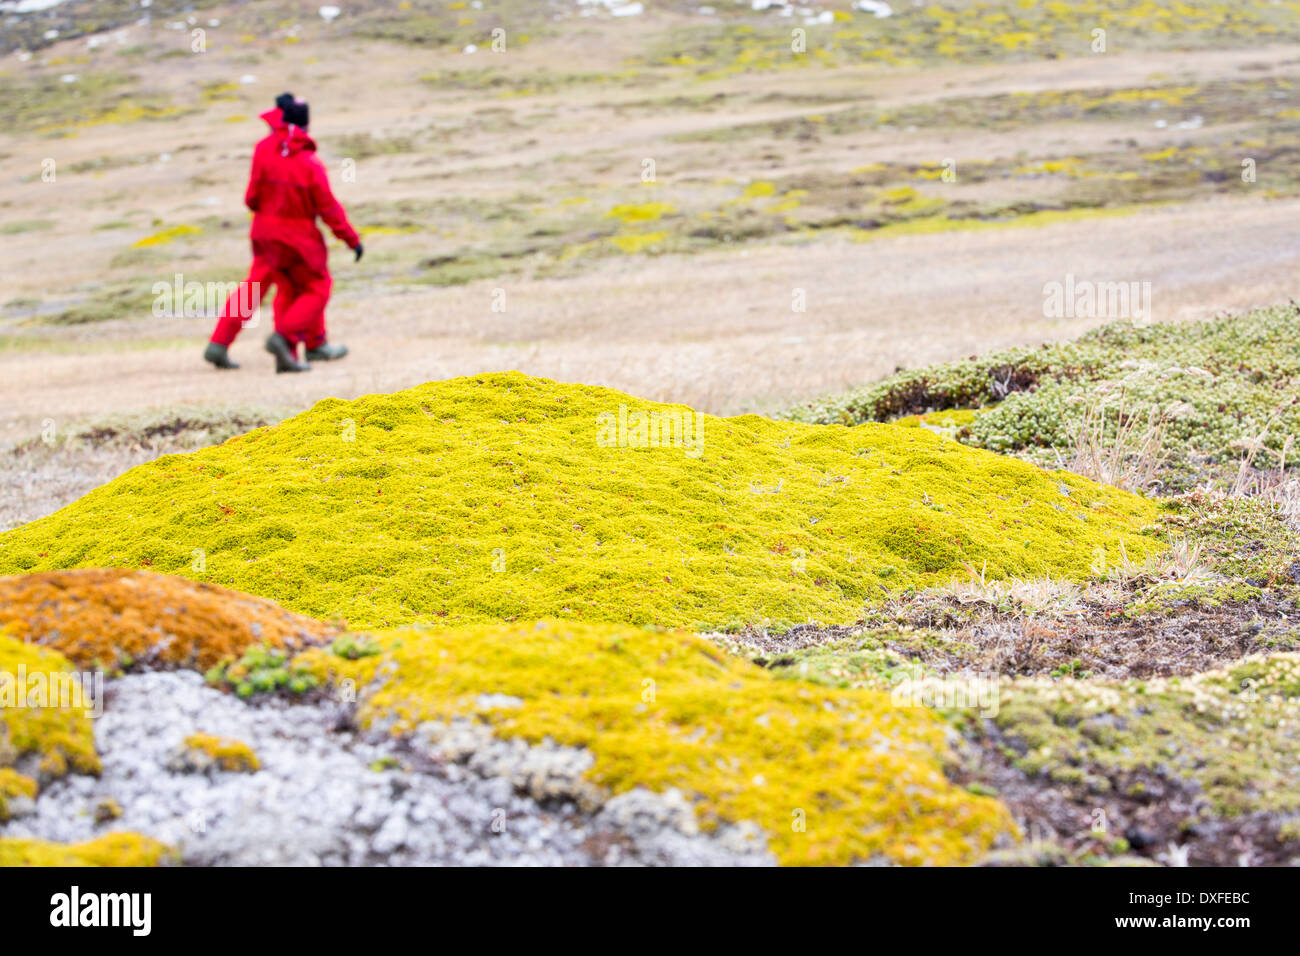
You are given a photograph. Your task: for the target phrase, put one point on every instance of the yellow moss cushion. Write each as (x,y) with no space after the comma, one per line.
(831,776)
(41,713)
(114,849)
(14,784)
(232,756)
(506,497)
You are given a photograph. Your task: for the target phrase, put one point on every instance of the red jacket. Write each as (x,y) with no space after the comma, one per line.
(288,189)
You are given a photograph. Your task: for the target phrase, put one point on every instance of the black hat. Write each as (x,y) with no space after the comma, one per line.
(292,109)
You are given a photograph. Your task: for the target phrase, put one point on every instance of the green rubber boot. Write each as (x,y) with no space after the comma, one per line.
(285,359)
(219,356)
(326,352)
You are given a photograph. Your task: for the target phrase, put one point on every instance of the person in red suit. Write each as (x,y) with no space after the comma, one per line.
(287,190)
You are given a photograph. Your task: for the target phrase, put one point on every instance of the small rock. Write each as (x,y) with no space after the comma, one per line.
(1139,839)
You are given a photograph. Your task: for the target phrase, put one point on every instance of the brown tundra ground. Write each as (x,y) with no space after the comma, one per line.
(507,223)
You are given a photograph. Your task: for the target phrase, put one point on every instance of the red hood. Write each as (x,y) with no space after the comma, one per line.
(292,139)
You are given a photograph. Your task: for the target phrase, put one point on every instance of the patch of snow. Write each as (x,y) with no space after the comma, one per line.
(617,8)
(877,8)
(28,6)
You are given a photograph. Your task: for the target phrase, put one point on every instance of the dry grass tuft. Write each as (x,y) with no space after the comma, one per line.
(1035,594)
(1129,455)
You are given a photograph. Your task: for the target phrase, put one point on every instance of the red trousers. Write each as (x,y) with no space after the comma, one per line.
(300,297)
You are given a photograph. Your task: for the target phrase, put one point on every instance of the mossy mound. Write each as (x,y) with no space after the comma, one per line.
(41,714)
(505,497)
(114,849)
(1217,386)
(832,776)
(117,620)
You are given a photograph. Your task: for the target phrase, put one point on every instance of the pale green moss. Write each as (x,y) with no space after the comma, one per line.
(1229,733)
(1217,387)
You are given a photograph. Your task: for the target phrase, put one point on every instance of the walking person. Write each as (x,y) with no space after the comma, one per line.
(287,190)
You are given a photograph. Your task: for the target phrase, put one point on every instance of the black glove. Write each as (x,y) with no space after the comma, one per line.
(359,249)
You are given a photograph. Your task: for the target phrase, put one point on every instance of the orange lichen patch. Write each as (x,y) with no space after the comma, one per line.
(117,619)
